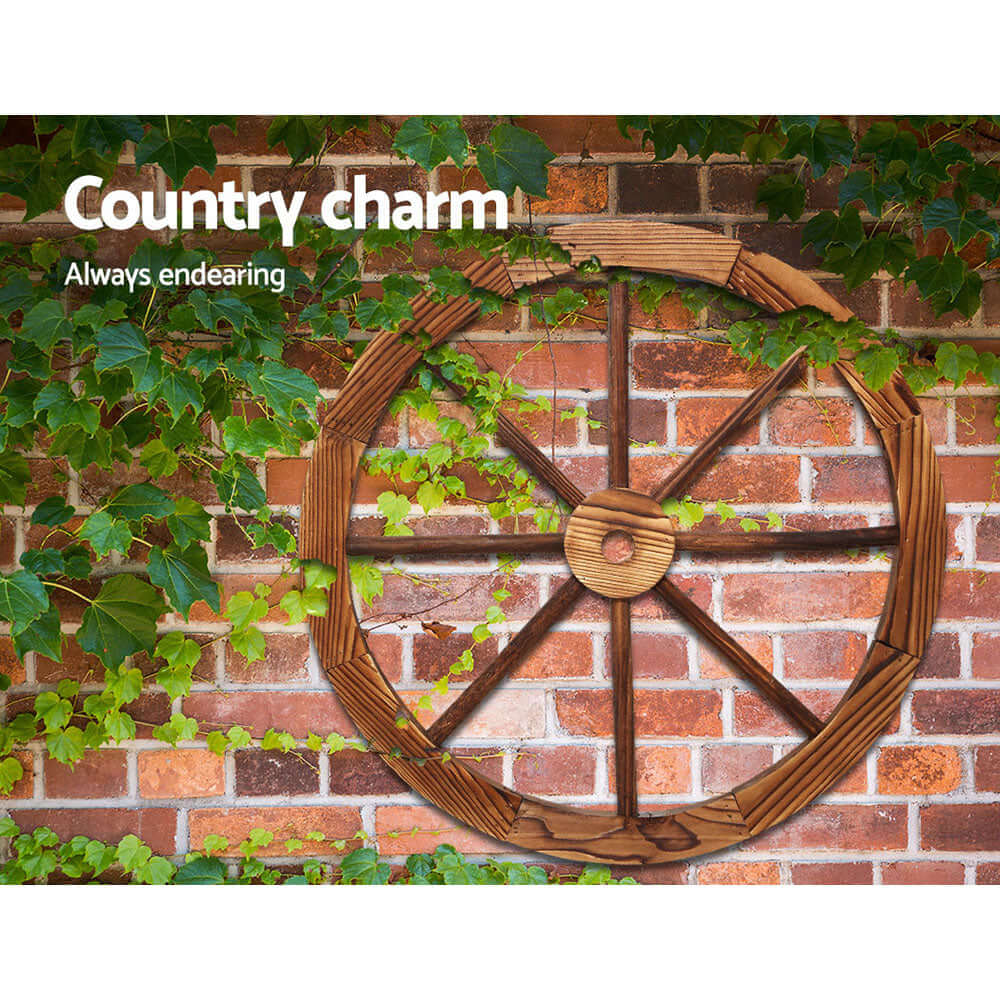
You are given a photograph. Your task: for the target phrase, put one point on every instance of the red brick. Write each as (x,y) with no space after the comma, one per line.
(387,651)
(713,665)
(286,478)
(233,546)
(942,656)
(658,655)
(975,712)
(670,314)
(724,767)
(960,827)
(753,716)
(803,596)
(969,478)
(851,479)
(466,596)
(988,539)
(909,311)
(10,665)
(833,873)
(100,774)
(986,655)
(354,772)
(647,421)
(987,769)
(687,365)
(285,822)
(739,873)
(975,420)
(824,655)
(988,873)
(574,188)
(432,656)
(508,713)
(580,135)
(285,660)
(923,873)
(657,187)
(324,362)
(297,712)
(316,183)
(918,770)
(657,713)
(271,772)
(555,770)
(970,594)
(840,827)
(180,774)
(697,418)
(422,828)
(559,654)
(157,827)
(812,422)
(735,478)
(783,242)
(659,770)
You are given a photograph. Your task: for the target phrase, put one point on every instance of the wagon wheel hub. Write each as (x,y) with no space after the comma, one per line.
(619,543)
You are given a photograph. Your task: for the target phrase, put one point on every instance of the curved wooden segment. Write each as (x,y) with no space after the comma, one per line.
(506,660)
(618,385)
(813,767)
(624,707)
(651,246)
(326,511)
(530,271)
(777,286)
(705,453)
(768,685)
(911,604)
(375,709)
(454,545)
(386,362)
(586,836)
(754,542)
(893,402)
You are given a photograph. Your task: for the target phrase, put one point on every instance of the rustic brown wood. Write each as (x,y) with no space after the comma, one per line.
(651,246)
(624,708)
(745,662)
(581,834)
(618,385)
(512,437)
(510,656)
(637,517)
(776,286)
(454,545)
(738,542)
(704,454)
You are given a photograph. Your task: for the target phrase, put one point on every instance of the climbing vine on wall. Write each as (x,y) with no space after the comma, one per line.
(186,385)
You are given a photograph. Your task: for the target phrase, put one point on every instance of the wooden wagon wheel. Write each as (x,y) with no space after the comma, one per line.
(832,745)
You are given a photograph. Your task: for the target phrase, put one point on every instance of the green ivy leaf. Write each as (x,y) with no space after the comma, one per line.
(22,598)
(106,534)
(66,745)
(140,500)
(178,148)
(183,575)
(14,478)
(189,522)
(431,140)
(41,634)
(956,361)
(46,324)
(783,194)
(121,620)
(514,158)
(52,511)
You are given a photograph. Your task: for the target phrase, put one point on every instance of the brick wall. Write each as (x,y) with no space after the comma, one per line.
(924,806)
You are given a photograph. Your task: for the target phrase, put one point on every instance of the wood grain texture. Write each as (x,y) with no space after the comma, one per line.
(454,545)
(777,286)
(623,701)
(651,246)
(768,685)
(618,385)
(633,514)
(581,834)
(750,542)
(920,514)
(699,460)
(506,660)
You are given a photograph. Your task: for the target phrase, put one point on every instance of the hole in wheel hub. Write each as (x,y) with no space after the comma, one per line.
(619,543)
(618,547)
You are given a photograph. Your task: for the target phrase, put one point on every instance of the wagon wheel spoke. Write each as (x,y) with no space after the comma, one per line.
(511,655)
(768,685)
(454,545)
(742,543)
(621,610)
(702,456)
(511,436)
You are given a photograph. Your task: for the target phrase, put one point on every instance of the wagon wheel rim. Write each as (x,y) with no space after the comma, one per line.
(832,746)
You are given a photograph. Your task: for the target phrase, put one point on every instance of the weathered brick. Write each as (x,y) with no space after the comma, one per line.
(942,656)
(271,772)
(101,774)
(735,478)
(824,655)
(972,712)
(839,827)
(960,827)
(739,873)
(647,421)
(753,716)
(657,187)
(285,822)
(414,829)
(726,766)
(969,478)
(286,478)
(918,770)
(157,827)
(833,873)
(580,135)
(180,774)
(574,188)
(285,660)
(851,479)
(712,664)
(923,873)
(987,769)
(813,422)
(297,712)
(657,713)
(659,770)
(689,366)
(555,770)
(803,596)
(509,713)
(657,655)
(353,772)
(697,417)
